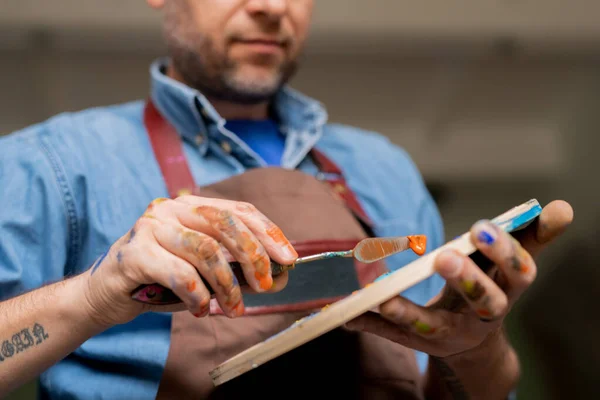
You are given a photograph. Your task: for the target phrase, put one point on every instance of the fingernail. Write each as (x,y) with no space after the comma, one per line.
(266,282)
(238,310)
(289,252)
(485,232)
(450,264)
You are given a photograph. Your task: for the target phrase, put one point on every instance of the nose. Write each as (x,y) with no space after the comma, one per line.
(272,9)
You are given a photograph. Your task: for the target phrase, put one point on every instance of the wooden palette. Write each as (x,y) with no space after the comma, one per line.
(362,301)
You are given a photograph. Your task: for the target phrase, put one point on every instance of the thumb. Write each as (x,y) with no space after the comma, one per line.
(552,222)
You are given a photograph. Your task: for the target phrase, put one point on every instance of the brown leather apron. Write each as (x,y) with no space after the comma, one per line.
(316,216)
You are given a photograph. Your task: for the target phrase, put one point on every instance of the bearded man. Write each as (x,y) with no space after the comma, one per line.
(225,162)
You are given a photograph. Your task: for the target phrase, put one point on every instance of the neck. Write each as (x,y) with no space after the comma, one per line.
(227,109)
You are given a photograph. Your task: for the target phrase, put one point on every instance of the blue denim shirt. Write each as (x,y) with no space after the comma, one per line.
(71,185)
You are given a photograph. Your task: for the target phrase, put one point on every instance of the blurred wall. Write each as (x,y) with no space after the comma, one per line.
(495,108)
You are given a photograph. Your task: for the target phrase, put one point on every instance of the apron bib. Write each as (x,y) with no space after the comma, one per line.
(316,215)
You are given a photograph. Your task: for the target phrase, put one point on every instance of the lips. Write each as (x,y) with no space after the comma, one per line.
(261,42)
(265,47)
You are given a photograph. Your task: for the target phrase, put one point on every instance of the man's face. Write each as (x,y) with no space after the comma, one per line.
(236,50)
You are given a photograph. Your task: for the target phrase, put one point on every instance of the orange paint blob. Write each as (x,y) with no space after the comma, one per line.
(418,243)
(266,282)
(191,286)
(483,312)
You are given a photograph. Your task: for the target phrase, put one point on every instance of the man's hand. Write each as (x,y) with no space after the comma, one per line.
(473,304)
(177,241)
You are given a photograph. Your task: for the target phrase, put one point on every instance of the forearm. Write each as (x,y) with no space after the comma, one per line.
(490,371)
(41,327)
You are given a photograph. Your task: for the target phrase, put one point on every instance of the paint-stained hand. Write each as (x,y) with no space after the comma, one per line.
(473,304)
(175,243)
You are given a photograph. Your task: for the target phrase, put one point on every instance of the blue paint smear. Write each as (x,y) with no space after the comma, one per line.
(520,221)
(98,262)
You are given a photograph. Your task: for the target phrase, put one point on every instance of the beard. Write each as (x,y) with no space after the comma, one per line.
(215,75)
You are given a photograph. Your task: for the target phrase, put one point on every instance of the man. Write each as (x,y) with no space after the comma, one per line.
(86,221)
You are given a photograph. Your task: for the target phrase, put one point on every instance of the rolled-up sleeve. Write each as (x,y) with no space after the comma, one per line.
(34,222)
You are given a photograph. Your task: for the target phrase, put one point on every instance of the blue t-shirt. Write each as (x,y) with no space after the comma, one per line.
(262,136)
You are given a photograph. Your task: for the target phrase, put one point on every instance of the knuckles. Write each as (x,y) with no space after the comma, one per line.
(245,208)
(392,310)
(207,247)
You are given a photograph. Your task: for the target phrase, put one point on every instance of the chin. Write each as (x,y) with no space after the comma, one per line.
(261,79)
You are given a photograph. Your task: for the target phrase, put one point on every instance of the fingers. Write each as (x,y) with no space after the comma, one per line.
(410,317)
(270,235)
(245,234)
(204,253)
(510,257)
(552,222)
(156,264)
(267,232)
(279,283)
(242,244)
(373,323)
(480,292)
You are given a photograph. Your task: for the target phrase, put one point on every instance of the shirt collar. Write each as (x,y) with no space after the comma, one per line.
(189,111)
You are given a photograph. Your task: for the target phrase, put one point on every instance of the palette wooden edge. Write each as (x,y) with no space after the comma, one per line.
(368,298)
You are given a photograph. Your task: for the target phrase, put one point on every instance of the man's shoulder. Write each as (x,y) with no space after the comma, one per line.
(75,125)
(370,148)
(76,138)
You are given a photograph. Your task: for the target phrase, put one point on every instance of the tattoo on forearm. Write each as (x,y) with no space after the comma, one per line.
(22,340)
(452,382)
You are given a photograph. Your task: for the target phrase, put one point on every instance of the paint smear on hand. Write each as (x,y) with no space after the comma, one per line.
(265,281)
(484,313)
(423,328)
(418,244)
(278,237)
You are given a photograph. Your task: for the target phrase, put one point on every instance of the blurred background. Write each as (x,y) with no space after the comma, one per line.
(496,101)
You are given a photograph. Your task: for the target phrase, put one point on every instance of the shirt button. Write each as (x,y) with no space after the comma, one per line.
(226,147)
(199,139)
